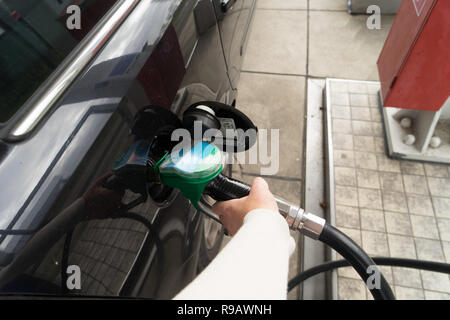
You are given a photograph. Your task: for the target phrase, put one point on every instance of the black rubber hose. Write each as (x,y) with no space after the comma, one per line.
(358,259)
(381,261)
(223,188)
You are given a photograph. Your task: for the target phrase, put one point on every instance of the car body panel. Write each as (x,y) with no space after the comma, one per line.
(167,53)
(233,25)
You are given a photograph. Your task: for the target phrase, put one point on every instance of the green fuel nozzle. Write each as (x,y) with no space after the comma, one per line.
(190,171)
(194,171)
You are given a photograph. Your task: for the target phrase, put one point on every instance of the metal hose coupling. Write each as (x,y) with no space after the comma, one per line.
(223,188)
(308,224)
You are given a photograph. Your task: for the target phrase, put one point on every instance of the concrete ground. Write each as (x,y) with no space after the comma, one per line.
(291,41)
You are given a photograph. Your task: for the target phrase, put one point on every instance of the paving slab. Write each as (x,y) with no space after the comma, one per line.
(328,5)
(275,102)
(277,42)
(341,45)
(283,4)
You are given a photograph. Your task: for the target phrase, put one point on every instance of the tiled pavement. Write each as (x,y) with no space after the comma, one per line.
(391,207)
(291,41)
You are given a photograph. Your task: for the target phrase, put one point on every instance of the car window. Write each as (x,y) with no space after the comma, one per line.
(34,40)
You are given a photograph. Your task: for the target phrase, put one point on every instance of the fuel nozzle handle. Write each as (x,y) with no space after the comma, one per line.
(223,188)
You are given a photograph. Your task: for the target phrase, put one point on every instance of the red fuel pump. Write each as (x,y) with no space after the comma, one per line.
(414,70)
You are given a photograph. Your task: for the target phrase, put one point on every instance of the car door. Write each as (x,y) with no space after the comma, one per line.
(234,21)
(66,128)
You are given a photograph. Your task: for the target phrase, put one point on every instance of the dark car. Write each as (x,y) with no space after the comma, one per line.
(72,101)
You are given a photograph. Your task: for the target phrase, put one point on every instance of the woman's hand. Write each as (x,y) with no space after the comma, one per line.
(232,212)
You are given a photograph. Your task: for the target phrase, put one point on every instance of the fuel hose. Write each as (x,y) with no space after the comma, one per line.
(223,188)
(381,261)
(361,262)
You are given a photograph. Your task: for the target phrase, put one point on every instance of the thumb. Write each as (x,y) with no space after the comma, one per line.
(259,186)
